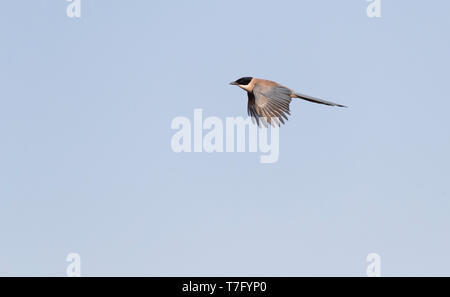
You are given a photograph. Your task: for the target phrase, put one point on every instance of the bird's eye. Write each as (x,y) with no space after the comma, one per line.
(244,81)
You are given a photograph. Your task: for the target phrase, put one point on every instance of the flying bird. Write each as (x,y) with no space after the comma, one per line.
(269,101)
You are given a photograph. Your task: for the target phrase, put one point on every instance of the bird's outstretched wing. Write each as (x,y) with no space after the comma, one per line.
(269,104)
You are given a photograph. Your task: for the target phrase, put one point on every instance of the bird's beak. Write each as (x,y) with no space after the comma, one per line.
(233,83)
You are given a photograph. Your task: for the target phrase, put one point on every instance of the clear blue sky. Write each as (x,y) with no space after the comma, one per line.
(86,164)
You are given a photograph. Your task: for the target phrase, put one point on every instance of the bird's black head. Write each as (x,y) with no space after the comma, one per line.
(242,81)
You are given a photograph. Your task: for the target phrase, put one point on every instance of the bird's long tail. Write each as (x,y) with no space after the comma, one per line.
(316,100)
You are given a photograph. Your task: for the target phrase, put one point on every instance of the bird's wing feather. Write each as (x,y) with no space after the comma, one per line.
(269,103)
(251,108)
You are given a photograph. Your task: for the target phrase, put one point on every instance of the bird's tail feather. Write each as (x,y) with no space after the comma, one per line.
(317,100)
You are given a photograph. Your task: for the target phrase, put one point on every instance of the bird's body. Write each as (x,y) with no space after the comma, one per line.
(270,101)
